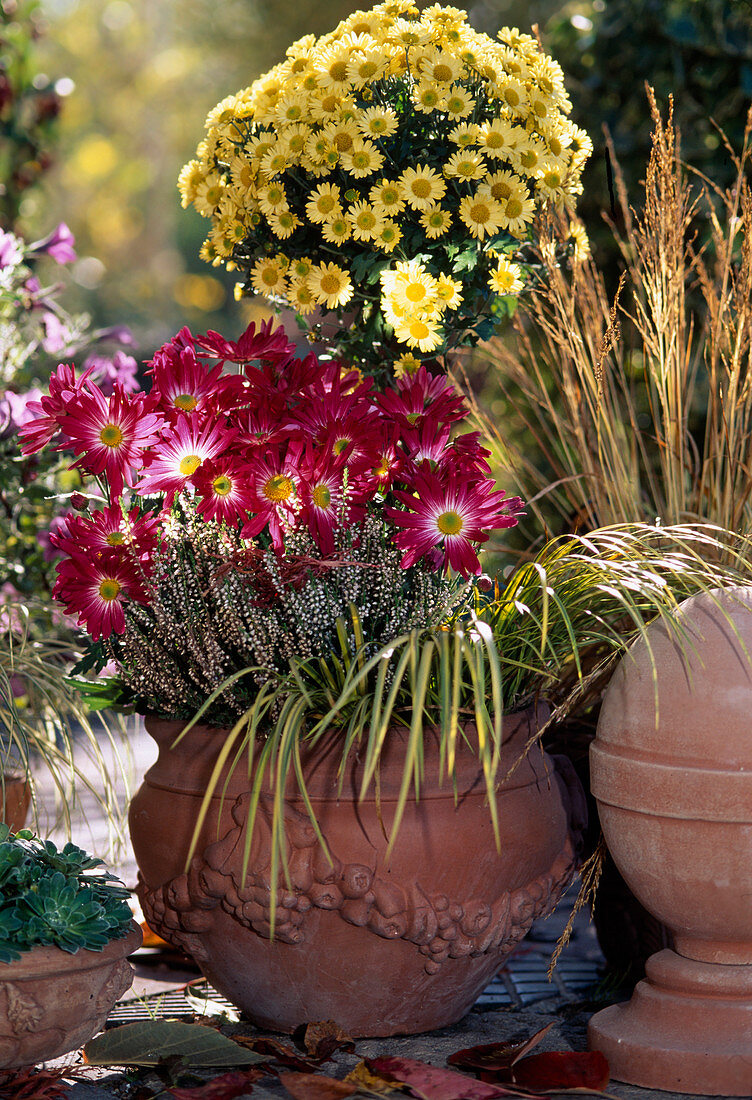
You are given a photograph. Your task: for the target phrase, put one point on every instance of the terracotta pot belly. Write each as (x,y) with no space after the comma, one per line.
(382,947)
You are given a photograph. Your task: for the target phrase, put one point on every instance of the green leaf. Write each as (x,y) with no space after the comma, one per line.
(150,1042)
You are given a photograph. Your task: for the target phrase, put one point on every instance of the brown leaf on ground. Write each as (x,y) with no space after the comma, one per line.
(316,1086)
(489,1057)
(433,1083)
(561,1071)
(226,1087)
(362,1077)
(280,1052)
(322,1038)
(29,1083)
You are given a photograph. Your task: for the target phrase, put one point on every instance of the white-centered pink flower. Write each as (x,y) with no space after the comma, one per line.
(184,446)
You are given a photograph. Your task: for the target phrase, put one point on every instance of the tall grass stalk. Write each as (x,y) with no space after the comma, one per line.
(640,407)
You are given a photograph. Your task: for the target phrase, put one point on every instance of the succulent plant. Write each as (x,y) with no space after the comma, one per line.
(56,897)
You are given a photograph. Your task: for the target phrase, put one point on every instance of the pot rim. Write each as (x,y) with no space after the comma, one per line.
(49,961)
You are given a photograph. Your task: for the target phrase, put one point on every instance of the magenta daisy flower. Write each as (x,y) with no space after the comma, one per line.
(421,395)
(275,479)
(323,503)
(181,383)
(108,532)
(268,343)
(452,515)
(110,434)
(48,411)
(184,446)
(97,590)
(225,493)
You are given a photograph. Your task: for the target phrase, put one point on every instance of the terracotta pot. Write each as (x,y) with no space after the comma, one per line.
(15,798)
(52,1002)
(674,793)
(382,948)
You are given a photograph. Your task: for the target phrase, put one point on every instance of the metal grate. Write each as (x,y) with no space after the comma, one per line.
(521,981)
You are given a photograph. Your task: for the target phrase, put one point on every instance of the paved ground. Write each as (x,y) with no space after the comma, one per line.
(516,1005)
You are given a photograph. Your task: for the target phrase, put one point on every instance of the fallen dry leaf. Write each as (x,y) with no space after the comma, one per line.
(490,1057)
(34,1084)
(226,1087)
(280,1052)
(316,1086)
(562,1070)
(433,1083)
(322,1038)
(362,1077)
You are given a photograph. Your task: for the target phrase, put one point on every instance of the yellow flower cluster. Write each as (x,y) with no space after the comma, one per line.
(401,133)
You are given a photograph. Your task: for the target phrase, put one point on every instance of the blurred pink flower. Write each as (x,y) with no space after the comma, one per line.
(107,370)
(58,245)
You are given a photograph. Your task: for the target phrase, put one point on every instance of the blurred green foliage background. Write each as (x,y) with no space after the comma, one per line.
(137,78)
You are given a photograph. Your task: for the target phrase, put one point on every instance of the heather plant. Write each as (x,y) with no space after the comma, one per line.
(56,898)
(390,171)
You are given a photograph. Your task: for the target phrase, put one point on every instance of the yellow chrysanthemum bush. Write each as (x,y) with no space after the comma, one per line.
(390,170)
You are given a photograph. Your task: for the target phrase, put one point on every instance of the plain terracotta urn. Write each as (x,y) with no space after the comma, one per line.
(671,770)
(15,799)
(52,1002)
(382,947)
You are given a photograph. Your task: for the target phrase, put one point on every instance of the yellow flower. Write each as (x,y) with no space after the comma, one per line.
(448,291)
(492,138)
(482,215)
(364,221)
(502,185)
(506,278)
(411,286)
(242,173)
(516,214)
(331,68)
(267,276)
(290,108)
(272,199)
(530,155)
(406,33)
(293,140)
(365,66)
(549,181)
(330,285)
(436,221)
(418,332)
(337,230)
(440,66)
(466,164)
(283,224)
(209,253)
(209,194)
(324,203)
(300,268)
(459,103)
(389,235)
(427,98)
(406,365)
(579,239)
(421,187)
(274,162)
(362,160)
(342,134)
(378,122)
(191,175)
(386,197)
(300,296)
(465,134)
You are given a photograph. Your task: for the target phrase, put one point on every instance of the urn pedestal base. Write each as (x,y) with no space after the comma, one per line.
(687,1028)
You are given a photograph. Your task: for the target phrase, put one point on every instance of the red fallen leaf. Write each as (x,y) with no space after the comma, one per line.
(322,1038)
(225,1087)
(315,1086)
(35,1084)
(495,1056)
(433,1083)
(560,1070)
(281,1053)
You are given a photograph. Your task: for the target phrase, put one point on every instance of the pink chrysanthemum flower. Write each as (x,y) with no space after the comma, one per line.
(108,532)
(275,479)
(96,590)
(182,384)
(268,343)
(452,515)
(48,411)
(323,504)
(224,489)
(184,446)
(421,395)
(110,434)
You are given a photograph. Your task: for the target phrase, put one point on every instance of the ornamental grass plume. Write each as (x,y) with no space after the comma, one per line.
(642,407)
(389,170)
